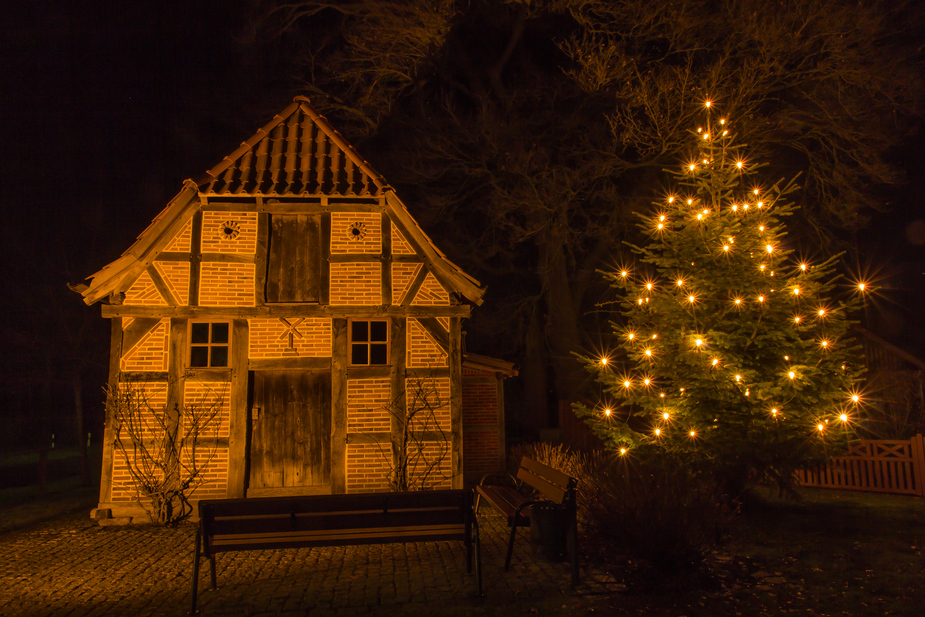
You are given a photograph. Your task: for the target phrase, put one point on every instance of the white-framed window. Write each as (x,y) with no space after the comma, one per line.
(209,344)
(369,342)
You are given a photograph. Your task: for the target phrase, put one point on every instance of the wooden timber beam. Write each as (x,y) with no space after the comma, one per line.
(284,310)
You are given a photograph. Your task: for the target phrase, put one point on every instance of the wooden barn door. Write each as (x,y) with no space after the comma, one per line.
(290,445)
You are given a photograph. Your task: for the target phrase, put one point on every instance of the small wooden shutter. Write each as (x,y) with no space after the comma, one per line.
(294,258)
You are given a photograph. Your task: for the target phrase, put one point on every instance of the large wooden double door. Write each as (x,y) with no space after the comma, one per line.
(290,436)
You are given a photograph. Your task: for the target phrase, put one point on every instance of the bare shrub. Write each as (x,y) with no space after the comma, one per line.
(655,509)
(166,449)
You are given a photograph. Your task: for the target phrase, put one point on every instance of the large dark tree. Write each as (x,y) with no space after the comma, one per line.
(528,132)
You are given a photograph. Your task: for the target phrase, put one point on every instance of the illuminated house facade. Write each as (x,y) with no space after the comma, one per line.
(293,280)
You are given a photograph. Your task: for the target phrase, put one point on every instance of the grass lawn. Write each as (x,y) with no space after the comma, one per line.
(834,553)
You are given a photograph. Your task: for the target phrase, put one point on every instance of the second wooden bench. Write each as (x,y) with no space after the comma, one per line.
(536,484)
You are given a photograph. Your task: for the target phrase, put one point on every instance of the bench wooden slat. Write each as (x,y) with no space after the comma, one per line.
(550,491)
(544,471)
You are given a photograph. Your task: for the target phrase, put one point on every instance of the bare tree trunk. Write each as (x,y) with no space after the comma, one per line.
(534,374)
(562,334)
(81,430)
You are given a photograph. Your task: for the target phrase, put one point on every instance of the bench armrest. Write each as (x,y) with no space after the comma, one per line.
(503,476)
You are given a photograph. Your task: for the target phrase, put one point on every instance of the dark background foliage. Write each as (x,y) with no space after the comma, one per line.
(521,134)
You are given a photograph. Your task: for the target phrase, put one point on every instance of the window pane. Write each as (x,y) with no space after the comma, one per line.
(379,353)
(219,356)
(199,356)
(360,331)
(220,333)
(199,333)
(378,330)
(359,354)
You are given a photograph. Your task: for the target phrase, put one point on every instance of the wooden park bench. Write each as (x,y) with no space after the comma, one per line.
(334,520)
(536,485)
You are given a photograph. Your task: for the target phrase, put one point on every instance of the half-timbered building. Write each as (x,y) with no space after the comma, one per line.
(292,279)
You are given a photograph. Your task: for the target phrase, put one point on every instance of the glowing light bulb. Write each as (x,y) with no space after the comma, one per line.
(622,451)
(607,411)
(691,299)
(706,136)
(661,226)
(855,398)
(640,301)
(662,395)
(738,378)
(722,121)
(647,381)
(692,167)
(755,191)
(604,361)
(680,282)
(796,319)
(690,201)
(760,298)
(735,208)
(662,217)
(760,204)
(821,312)
(708,103)
(791,374)
(861,286)
(671,199)
(739,164)
(624,273)
(698,342)
(820,427)
(824,343)
(658,432)
(725,247)
(693,433)
(649,286)
(770,248)
(655,336)
(715,361)
(631,335)
(803,267)
(665,415)
(649,352)
(699,217)
(843,417)
(796,291)
(626,384)
(762,267)
(774,411)
(738,301)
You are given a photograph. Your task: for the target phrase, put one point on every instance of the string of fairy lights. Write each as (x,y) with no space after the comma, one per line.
(730,225)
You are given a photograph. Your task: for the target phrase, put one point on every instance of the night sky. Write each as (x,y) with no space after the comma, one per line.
(106,107)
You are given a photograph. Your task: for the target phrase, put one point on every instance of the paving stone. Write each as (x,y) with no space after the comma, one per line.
(71,566)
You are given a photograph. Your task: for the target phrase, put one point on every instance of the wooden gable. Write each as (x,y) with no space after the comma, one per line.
(301,176)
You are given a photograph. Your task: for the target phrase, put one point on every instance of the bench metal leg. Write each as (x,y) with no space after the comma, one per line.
(198,545)
(478,558)
(212,570)
(510,547)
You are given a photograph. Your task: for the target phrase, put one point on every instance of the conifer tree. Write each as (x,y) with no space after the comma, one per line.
(735,346)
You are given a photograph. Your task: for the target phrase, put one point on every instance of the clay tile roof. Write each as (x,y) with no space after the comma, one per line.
(297,153)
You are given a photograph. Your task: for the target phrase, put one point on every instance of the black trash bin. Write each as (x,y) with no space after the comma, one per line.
(549,531)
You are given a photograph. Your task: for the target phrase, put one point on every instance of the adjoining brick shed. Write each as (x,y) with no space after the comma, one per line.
(292,285)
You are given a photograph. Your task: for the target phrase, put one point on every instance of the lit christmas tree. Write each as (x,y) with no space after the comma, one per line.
(736,348)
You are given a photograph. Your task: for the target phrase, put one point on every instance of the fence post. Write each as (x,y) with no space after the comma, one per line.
(918,462)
